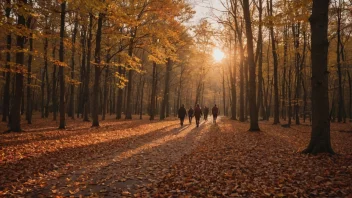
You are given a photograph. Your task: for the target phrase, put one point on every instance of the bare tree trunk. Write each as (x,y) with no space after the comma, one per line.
(223,91)
(128,114)
(259,57)
(283,103)
(54,98)
(153,95)
(61,68)
(45,70)
(252,91)
(320,138)
(81,99)
(71,111)
(29,77)
(97,73)
(350,87)
(233,86)
(87,79)
(106,86)
(166,90)
(141,100)
(341,106)
(15,116)
(296,35)
(273,48)
(6,102)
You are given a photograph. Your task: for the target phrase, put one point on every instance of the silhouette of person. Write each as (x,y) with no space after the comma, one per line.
(215,112)
(190,114)
(182,114)
(197,114)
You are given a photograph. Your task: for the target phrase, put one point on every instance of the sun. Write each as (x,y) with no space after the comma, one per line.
(218,55)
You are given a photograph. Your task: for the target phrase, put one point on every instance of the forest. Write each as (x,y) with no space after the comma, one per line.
(91,92)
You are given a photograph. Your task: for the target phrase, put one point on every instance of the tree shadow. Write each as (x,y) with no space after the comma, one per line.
(111,168)
(42,134)
(62,157)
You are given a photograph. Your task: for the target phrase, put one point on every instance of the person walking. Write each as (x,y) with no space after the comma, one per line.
(197,114)
(182,114)
(215,112)
(190,114)
(205,112)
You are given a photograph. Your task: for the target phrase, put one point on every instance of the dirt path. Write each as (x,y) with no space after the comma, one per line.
(111,161)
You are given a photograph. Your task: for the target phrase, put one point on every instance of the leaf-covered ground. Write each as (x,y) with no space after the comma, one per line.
(233,162)
(161,159)
(112,160)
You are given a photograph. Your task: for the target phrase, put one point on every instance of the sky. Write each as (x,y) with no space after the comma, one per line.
(203,9)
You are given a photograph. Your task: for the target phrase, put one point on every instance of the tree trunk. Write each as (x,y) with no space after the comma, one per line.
(97,70)
(141,100)
(54,98)
(119,102)
(15,116)
(6,102)
(81,98)
(166,90)
(128,114)
(223,91)
(106,87)
(341,108)
(320,137)
(233,86)
(61,68)
(153,95)
(87,79)
(71,111)
(350,87)
(29,77)
(252,85)
(273,48)
(259,55)
(296,35)
(283,103)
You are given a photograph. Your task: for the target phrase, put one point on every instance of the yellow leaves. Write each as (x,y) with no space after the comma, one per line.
(59,63)
(71,81)
(122,80)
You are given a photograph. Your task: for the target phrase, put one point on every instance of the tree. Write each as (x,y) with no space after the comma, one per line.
(274,52)
(252,86)
(320,136)
(97,69)
(15,116)
(6,100)
(61,68)
(30,25)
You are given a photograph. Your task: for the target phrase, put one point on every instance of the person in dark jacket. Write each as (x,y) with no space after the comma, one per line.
(190,114)
(205,112)
(182,114)
(215,112)
(197,114)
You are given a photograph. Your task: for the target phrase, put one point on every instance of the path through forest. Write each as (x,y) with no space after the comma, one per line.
(113,160)
(139,158)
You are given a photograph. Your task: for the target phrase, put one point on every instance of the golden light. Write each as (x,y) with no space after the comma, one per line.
(218,55)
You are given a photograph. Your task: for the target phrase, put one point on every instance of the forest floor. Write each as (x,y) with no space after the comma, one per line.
(140,158)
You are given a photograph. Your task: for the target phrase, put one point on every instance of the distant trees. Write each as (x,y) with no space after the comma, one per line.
(122,35)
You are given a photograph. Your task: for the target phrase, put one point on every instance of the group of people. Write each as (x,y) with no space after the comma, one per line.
(197,112)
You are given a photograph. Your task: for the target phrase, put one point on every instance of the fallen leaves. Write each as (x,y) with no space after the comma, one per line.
(120,156)
(160,159)
(233,162)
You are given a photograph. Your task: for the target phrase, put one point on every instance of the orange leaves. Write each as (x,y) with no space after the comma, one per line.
(160,159)
(235,163)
